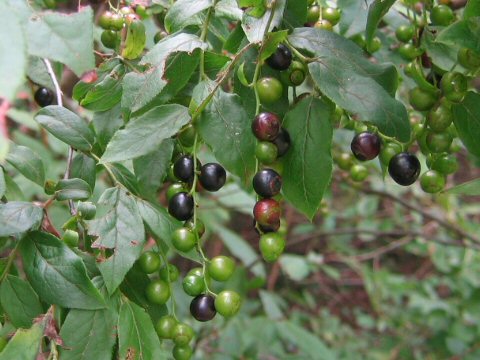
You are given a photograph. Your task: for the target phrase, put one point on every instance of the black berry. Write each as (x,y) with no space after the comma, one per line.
(404,168)
(202,307)
(43,97)
(183,169)
(266,126)
(282,141)
(212,176)
(267,183)
(181,205)
(280,59)
(366,146)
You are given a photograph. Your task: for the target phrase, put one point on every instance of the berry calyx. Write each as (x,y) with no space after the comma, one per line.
(221,268)
(183,239)
(267,212)
(404,168)
(228,303)
(183,168)
(267,183)
(295,74)
(149,262)
(366,146)
(212,176)
(180,206)
(271,246)
(280,59)
(202,307)
(266,126)
(43,97)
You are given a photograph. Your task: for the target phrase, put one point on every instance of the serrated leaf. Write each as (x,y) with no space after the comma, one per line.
(120,230)
(84,167)
(226,128)
(126,178)
(20,302)
(466,117)
(255,27)
(376,12)
(355,84)
(106,123)
(135,41)
(182,13)
(17,217)
(69,38)
(25,344)
(471,188)
(56,273)
(72,189)
(66,126)
(145,133)
(27,162)
(308,161)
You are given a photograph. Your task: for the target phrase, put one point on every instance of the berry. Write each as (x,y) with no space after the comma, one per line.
(70,238)
(267,212)
(446,164)
(422,100)
(388,151)
(87,210)
(344,161)
(105,20)
(266,126)
(212,176)
(409,52)
(198,228)
(186,136)
(405,33)
(282,141)
(169,272)
(184,168)
(149,262)
(468,58)
(202,307)
(43,97)
(332,15)
(267,183)
(441,15)
(182,334)
(281,58)
(266,152)
(159,36)
(366,146)
(324,24)
(182,352)
(221,268)
(116,22)
(109,39)
(358,172)
(158,292)
(440,118)
(183,239)
(165,326)
(432,181)
(404,168)
(180,206)
(271,246)
(228,303)
(438,142)
(269,90)
(454,86)
(313,13)
(193,285)
(174,189)
(295,74)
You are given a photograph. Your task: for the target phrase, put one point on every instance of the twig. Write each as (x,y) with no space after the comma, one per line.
(383,249)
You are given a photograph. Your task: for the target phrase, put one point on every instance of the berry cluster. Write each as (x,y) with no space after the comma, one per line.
(113,22)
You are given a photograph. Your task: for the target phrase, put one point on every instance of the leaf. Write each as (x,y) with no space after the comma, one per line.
(28,163)
(355,84)
(308,162)
(66,126)
(376,12)
(228,9)
(307,343)
(20,302)
(152,168)
(472,9)
(106,123)
(64,38)
(141,88)
(37,72)
(466,117)
(471,188)
(72,189)
(135,41)
(296,266)
(84,167)
(56,273)
(226,128)
(136,335)
(25,344)
(121,230)
(271,43)
(354,16)
(270,305)
(125,177)
(13,47)
(182,13)
(295,13)
(17,217)
(145,133)
(255,8)
(464,33)
(255,28)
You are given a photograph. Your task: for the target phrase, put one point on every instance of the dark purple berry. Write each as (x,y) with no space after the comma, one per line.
(404,168)
(267,183)
(180,206)
(266,126)
(202,307)
(281,58)
(366,146)
(282,141)
(212,176)
(183,169)
(43,97)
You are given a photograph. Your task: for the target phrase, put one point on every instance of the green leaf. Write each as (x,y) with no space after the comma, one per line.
(466,117)
(354,83)
(3,185)
(270,305)
(13,62)
(310,129)
(226,128)
(17,217)
(182,13)
(376,12)
(107,93)
(354,16)
(136,335)
(255,27)
(57,274)
(472,9)
(464,33)
(28,163)
(471,188)
(145,133)
(125,177)
(271,43)
(37,72)
(295,13)
(106,123)
(70,38)
(20,302)
(84,167)
(295,266)
(135,41)
(25,344)
(152,168)
(228,9)
(66,126)
(72,189)
(256,8)
(120,230)
(141,88)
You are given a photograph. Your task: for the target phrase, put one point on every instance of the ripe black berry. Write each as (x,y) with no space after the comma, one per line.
(181,205)
(404,168)
(266,126)
(366,146)
(282,141)
(43,97)
(212,176)
(269,228)
(202,307)
(267,183)
(280,59)
(183,169)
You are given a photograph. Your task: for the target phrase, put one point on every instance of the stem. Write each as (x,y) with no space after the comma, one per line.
(203,37)
(9,263)
(107,168)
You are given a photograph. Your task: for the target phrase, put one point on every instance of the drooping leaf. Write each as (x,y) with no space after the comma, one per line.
(182,13)
(376,12)
(57,274)
(20,302)
(467,122)
(84,167)
(17,217)
(72,189)
(66,126)
(25,344)
(255,27)
(308,162)
(121,231)
(355,84)
(145,133)
(64,38)
(27,162)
